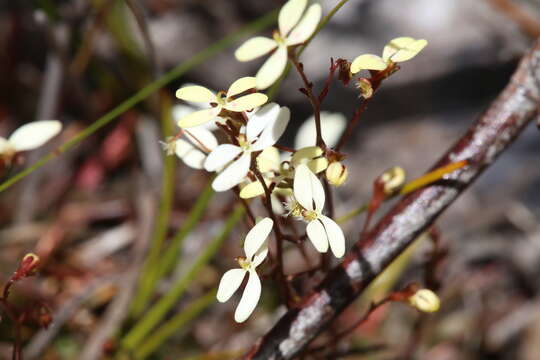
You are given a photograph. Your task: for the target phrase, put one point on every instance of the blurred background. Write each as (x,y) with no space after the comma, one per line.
(94,214)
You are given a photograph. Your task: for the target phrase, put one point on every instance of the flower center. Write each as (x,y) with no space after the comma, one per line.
(221,98)
(309,215)
(243,143)
(244,263)
(278,38)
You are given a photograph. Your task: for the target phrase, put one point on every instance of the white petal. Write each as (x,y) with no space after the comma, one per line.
(229,283)
(289,15)
(200,136)
(247,102)
(368,62)
(241,85)
(274,130)
(305,155)
(252,189)
(308,190)
(255,47)
(306,27)
(199,117)
(195,93)
(249,299)
(277,206)
(332,126)
(272,68)
(259,256)
(233,175)
(403,48)
(191,156)
(317,234)
(256,237)
(335,236)
(260,119)
(34,134)
(268,160)
(220,156)
(5,146)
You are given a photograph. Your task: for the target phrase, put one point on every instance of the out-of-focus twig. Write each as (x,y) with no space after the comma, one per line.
(507,116)
(527,23)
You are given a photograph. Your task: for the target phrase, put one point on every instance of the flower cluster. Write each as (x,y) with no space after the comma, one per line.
(246,156)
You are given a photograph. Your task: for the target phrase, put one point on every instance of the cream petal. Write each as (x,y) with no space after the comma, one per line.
(241,85)
(252,189)
(268,160)
(255,47)
(229,283)
(273,131)
(308,190)
(199,117)
(34,134)
(272,68)
(220,156)
(201,136)
(336,239)
(289,15)
(256,237)
(317,235)
(306,27)
(249,299)
(190,155)
(195,93)
(368,62)
(317,165)
(260,119)
(304,155)
(247,102)
(233,175)
(332,126)
(403,48)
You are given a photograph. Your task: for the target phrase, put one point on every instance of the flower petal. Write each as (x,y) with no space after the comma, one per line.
(317,165)
(255,47)
(403,49)
(268,160)
(220,156)
(256,237)
(304,155)
(233,175)
(199,117)
(273,131)
(308,190)
(368,62)
(259,256)
(229,283)
(317,235)
(249,299)
(252,189)
(241,85)
(5,146)
(336,239)
(272,68)
(289,15)
(306,27)
(245,103)
(195,93)
(332,126)
(191,156)
(34,134)
(260,119)
(202,137)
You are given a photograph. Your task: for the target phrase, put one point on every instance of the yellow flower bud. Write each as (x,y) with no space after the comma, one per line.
(393,179)
(425,300)
(336,173)
(364,85)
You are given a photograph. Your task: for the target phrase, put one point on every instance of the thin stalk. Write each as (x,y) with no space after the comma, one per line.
(157,312)
(253,27)
(175,324)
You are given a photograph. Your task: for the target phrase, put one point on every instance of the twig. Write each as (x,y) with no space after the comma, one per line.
(508,115)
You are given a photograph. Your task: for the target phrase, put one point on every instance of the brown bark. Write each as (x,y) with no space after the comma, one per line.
(480,146)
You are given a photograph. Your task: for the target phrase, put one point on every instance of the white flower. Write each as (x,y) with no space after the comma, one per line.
(256,249)
(29,136)
(397,50)
(193,151)
(321,230)
(293,30)
(219,101)
(181,110)
(332,126)
(263,129)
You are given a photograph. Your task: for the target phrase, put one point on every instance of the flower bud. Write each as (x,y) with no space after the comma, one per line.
(425,300)
(364,85)
(336,173)
(393,179)
(27,267)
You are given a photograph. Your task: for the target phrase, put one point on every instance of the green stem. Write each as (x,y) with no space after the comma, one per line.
(156,313)
(172,326)
(200,57)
